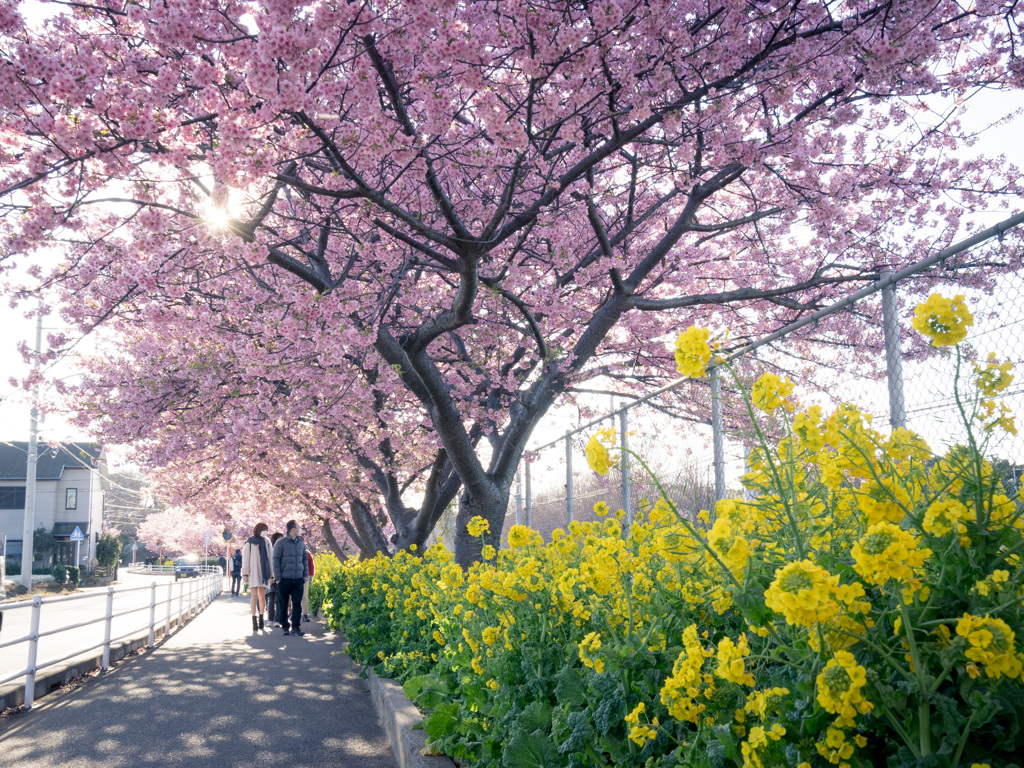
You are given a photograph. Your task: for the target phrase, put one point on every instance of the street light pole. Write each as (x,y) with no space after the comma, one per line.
(29,528)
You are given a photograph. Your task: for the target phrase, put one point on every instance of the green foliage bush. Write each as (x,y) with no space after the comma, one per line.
(60,574)
(43,542)
(12,567)
(108,550)
(73,575)
(860,608)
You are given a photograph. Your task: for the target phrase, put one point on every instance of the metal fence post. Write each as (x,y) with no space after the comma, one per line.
(626,488)
(108,620)
(893,356)
(717,430)
(519,497)
(170,599)
(152,615)
(33,650)
(529,497)
(181,604)
(568,478)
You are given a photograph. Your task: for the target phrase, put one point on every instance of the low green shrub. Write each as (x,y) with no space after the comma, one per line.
(74,574)
(60,574)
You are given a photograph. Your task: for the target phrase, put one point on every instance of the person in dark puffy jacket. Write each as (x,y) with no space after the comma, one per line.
(290,572)
(273,614)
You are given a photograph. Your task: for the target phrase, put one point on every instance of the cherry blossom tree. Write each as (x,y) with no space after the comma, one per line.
(493,201)
(326,445)
(176,533)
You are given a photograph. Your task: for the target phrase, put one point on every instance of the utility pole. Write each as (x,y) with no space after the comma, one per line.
(29,529)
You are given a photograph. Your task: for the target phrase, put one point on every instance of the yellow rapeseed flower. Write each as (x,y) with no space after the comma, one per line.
(693,352)
(944,321)
(991,645)
(771,392)
(946,515)
(803,592)
(519,536)
(641,733)
(599,459)
(682,688)
(731,664)
(839,689)
(478,526)
(992,378)
(490,635)
(886,552)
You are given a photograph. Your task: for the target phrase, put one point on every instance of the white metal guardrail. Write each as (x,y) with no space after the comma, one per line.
(191,595)
(168,570)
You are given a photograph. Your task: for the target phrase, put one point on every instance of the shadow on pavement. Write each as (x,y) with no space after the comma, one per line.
(213,695)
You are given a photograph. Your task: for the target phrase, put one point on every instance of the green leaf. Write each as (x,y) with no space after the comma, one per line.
(582,731)
(569,687)
(442,722)
(426,691)
(529,750)
(536,716)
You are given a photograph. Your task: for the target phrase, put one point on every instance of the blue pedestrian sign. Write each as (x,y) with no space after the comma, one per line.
(77,535)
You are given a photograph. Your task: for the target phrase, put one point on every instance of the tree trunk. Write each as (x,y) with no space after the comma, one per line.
(369,531)
(469,549)
(332,541)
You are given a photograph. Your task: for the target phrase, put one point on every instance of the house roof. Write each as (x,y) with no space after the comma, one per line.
(51,462)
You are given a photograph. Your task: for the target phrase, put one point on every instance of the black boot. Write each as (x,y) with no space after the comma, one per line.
(261,622)
(255,626)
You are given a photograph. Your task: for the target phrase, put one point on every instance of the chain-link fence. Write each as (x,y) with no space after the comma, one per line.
(695,440)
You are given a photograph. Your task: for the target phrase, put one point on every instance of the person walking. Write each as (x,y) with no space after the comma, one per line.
(256,572)
(272,602)
(291,572)
(305,587)
(236,573)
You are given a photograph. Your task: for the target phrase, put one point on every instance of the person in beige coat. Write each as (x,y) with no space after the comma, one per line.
(256,572)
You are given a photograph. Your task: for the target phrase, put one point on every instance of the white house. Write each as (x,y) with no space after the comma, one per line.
(70,482)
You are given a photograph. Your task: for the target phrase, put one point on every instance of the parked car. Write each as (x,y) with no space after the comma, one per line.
(186,566)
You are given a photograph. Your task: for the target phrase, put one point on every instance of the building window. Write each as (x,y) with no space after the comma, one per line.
(12,498)
(71,499)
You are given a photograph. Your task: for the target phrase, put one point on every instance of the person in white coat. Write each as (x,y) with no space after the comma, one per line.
(256,572)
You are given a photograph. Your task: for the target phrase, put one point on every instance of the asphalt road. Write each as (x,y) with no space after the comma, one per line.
(213,695)
(17,620)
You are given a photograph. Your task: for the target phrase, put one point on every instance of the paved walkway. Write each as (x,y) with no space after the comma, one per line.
(214,695)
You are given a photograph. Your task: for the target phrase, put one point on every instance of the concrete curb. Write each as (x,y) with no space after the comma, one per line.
(399,715)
